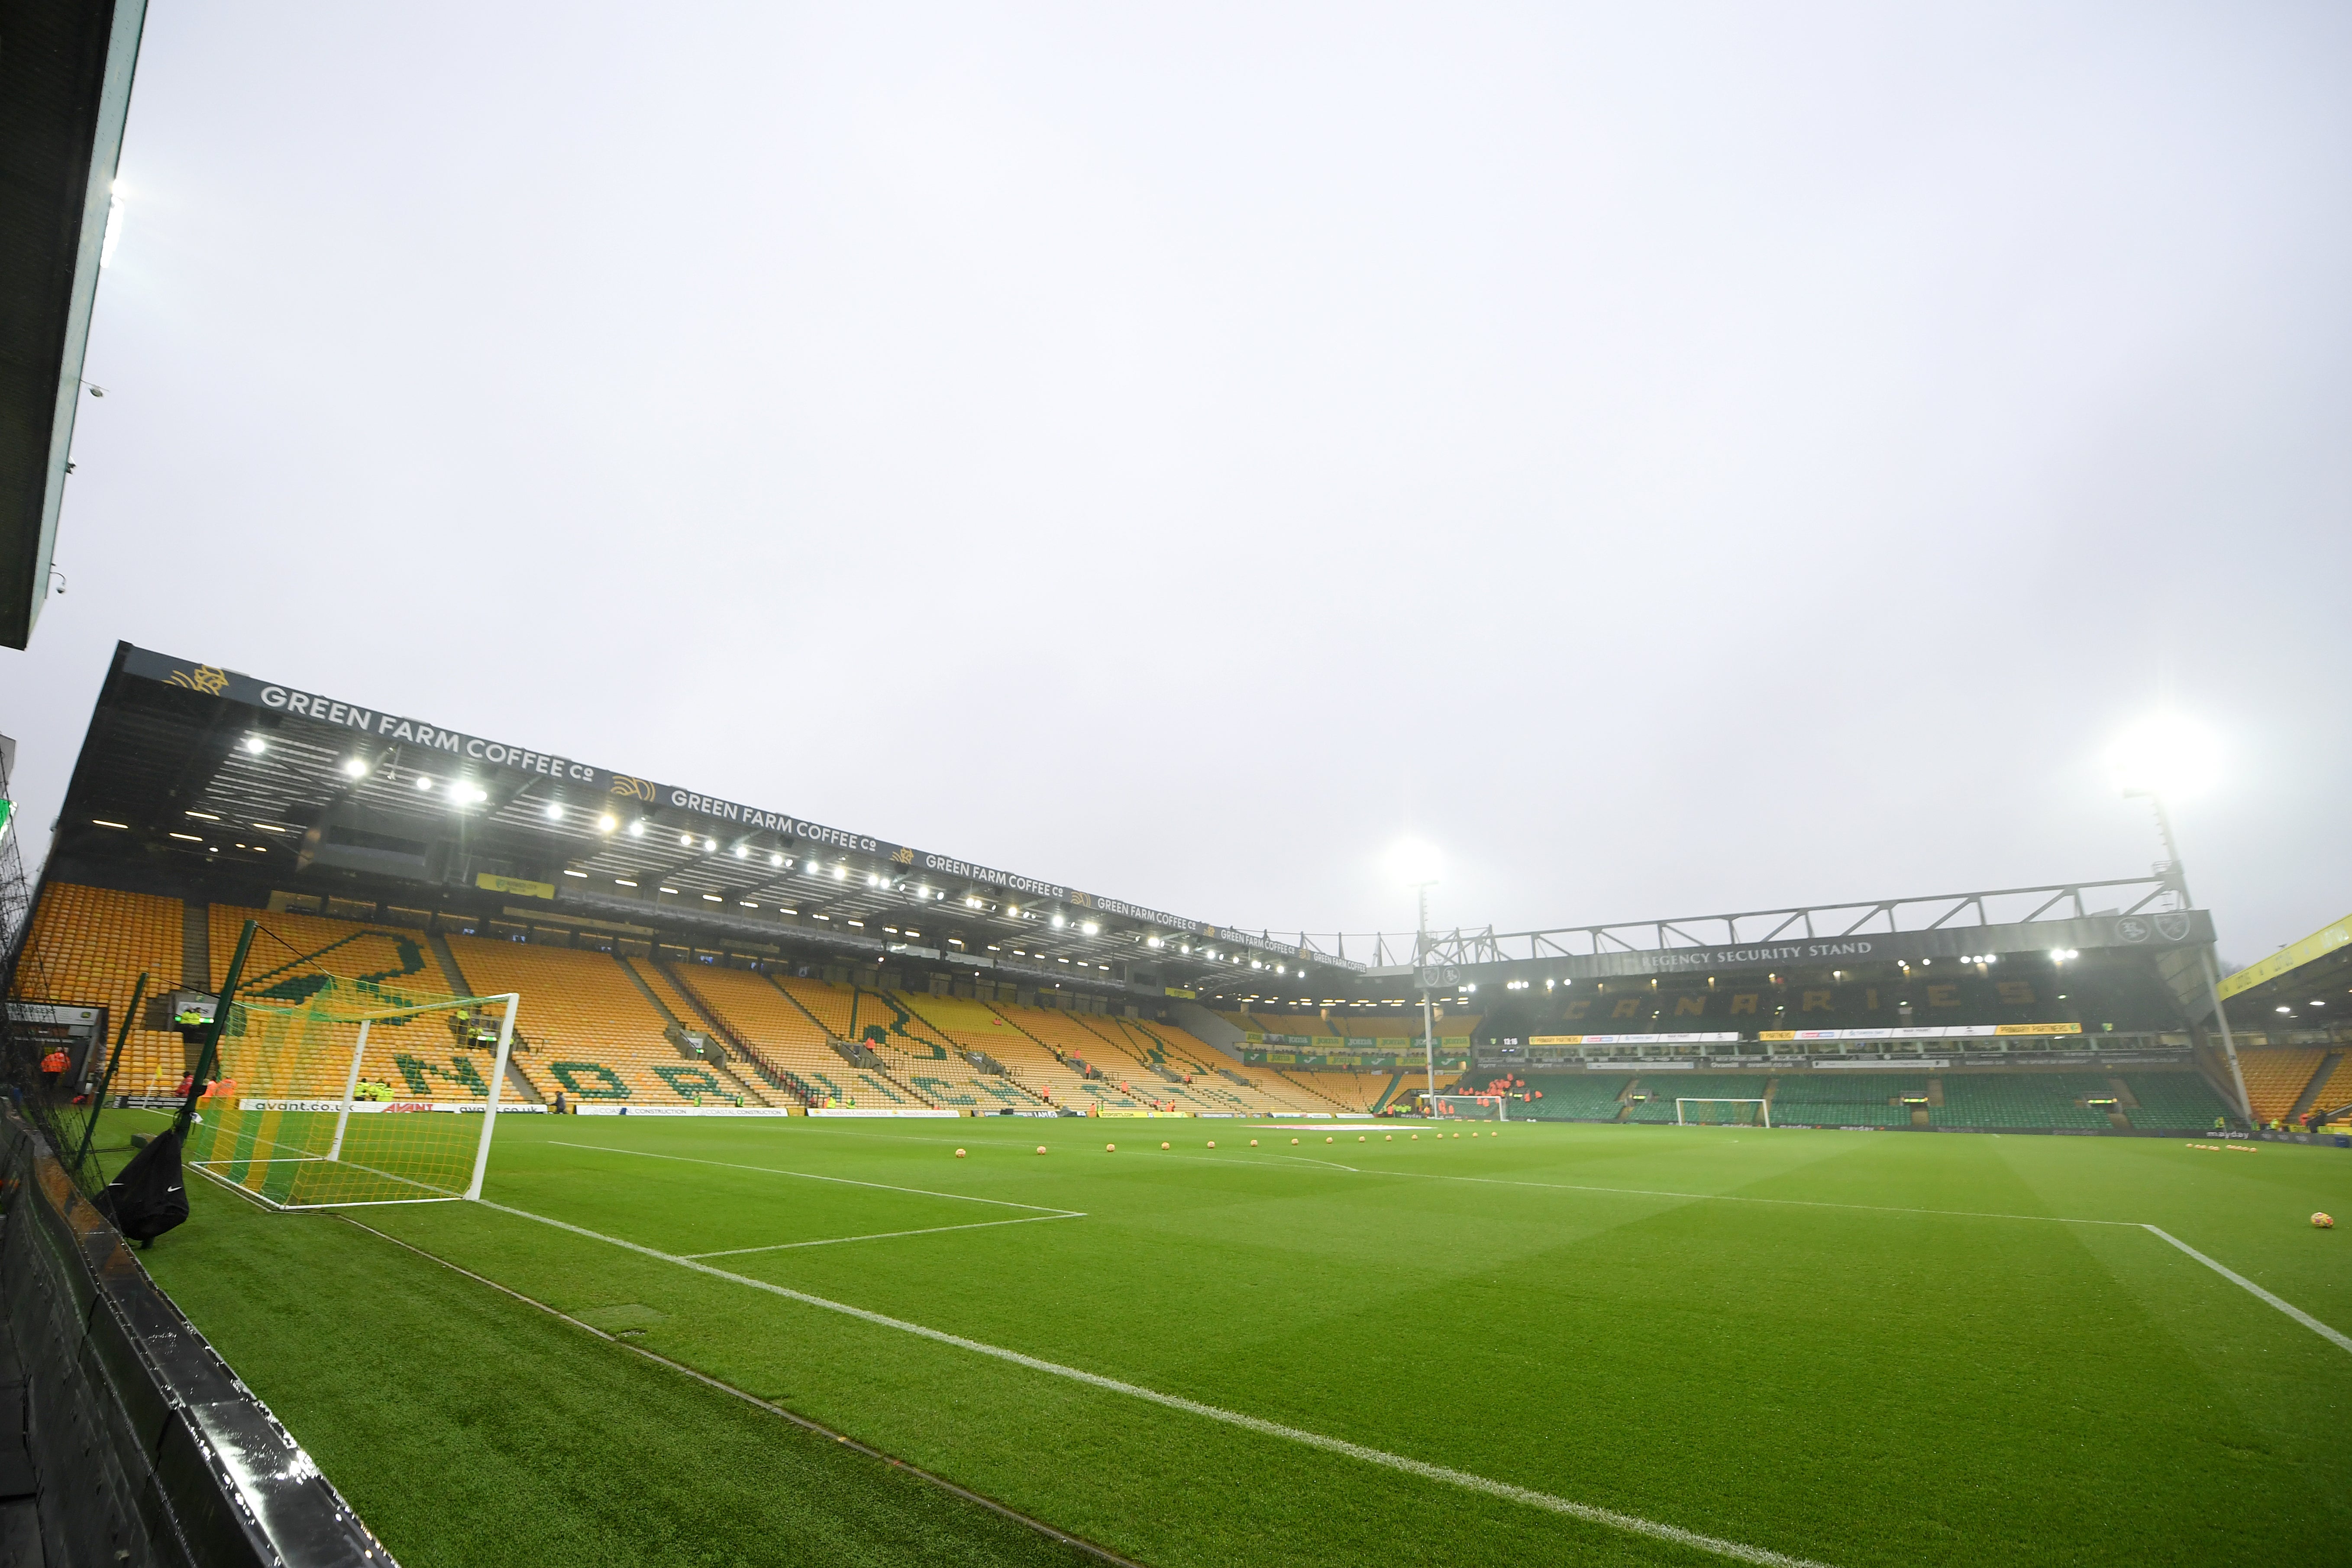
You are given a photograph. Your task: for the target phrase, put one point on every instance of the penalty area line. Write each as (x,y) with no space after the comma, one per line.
(1041,1209)
(1587,1512)
(2334,1336)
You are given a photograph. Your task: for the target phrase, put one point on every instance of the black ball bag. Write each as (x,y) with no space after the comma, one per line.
(146,1198)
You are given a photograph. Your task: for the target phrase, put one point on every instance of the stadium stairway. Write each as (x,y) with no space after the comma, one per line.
(762,1012)
(675,1005)
(2316,1092)
(2329,1090)
(593,1033)
(778,1087)
(834,1009)
(2277,1079)
(1172,1075)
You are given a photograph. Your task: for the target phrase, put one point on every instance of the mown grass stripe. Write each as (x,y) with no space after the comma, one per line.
(1587,1512)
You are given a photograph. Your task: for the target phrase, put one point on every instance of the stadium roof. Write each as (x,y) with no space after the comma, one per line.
(2305,984)
(65,90)
(192,765)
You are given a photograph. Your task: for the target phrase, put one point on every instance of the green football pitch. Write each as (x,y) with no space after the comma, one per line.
(1559,1344)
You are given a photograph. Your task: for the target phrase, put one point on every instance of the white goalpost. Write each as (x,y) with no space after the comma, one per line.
(1470,1107)
(1697,1112)
(295,1120)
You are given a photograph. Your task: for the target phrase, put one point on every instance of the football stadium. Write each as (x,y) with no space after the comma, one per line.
(577,1165)
(1678,459)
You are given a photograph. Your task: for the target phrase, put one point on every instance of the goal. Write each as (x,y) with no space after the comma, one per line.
(355,1095)
(1470,1107)
(1697,1112)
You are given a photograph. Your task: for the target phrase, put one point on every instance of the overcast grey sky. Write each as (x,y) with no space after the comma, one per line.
(1675,457)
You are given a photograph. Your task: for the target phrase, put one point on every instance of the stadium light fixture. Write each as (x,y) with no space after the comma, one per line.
(2166,755)
(554,811)
(1091,929)
(685,841)
(775,860)
(354,769)
(1414,862)
(423,782)
(841,873)
(606,823)
(622,883)
(255,744)
(710,847)
(637,828)
(1059,922)
(741,853)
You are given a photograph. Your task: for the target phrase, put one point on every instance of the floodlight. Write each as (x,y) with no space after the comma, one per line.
(355,769)
(1059,922)
(637,828)
(1412,861)
(775,860)
(255,744)
(2164,755)
(841,873)
(710,847)
(741,853)
(685,840)
(554,811)
(424,782)
(606,823)
(1090,928)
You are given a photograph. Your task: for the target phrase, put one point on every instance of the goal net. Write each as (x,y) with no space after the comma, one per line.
(355,1095)
(1470,1107)
(1722,1113)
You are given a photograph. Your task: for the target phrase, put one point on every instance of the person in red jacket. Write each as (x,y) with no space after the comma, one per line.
(53,1067)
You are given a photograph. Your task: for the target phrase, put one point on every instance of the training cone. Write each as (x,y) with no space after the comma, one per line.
(2324,1221)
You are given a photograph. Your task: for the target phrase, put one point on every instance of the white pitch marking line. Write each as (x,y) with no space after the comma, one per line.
(812,1176)
(2341,1341)
(1589,1513)
(880,1235)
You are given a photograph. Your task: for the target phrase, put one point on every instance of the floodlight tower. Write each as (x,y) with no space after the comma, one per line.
(1415,865)
(1421,963)
(2167,757)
